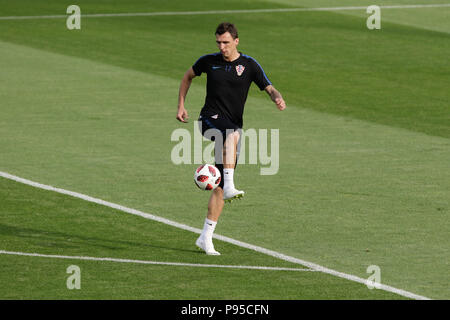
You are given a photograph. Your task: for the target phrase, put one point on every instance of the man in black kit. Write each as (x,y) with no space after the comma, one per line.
(229,76)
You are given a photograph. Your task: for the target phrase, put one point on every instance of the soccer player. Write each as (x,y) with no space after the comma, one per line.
(229,76)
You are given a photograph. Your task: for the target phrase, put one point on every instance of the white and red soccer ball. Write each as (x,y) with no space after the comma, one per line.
(207,177)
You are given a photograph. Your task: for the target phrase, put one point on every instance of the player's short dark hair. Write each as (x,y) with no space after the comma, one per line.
(227,27)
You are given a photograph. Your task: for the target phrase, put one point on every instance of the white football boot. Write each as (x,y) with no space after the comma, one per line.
(229,194)
(206,246)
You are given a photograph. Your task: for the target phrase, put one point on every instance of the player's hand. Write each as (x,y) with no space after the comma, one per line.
(182,115)
(281,105)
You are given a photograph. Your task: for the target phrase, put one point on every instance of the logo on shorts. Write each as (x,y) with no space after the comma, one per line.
(240,69)
(215,116)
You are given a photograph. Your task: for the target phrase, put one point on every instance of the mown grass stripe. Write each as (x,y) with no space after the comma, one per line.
(209,12)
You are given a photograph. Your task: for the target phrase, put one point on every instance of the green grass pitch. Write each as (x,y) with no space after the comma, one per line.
(363,178)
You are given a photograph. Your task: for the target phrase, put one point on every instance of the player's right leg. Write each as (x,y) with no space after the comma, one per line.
(215,206)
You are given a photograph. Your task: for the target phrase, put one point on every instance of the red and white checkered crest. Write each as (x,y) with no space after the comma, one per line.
(240,69)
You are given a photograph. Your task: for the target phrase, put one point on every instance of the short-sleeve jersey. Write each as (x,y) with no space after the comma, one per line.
(228,83)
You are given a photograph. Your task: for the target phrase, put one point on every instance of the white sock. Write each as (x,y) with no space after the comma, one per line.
(228,181)
(208,229)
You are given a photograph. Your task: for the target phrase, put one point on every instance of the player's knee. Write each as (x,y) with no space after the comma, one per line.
(234,136)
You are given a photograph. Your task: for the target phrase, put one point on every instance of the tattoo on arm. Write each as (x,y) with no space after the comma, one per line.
(273,93)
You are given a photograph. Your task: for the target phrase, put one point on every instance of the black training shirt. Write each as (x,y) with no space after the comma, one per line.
(228,83)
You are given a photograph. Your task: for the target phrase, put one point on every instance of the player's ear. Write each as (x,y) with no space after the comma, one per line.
(236,41)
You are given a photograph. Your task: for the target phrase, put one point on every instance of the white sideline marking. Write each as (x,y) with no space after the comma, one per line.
(272,253)
(178,264)
(190,13)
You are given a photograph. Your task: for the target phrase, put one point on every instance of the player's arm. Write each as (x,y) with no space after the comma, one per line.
(276,97)
(182,114)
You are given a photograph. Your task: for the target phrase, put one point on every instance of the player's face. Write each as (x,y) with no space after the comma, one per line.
(227,45)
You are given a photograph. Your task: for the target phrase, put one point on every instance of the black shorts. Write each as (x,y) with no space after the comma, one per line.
(215,127)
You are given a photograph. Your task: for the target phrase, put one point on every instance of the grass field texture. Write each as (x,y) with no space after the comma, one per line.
(364,173)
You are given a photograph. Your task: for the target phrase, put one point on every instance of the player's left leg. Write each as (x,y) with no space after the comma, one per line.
(230,156)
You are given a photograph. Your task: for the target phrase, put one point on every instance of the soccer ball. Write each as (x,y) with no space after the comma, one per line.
(207,177)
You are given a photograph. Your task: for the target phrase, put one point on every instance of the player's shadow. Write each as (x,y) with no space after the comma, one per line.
(56,239)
